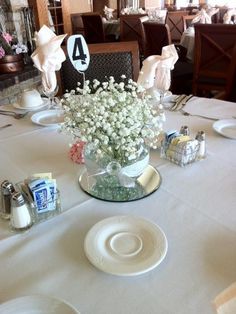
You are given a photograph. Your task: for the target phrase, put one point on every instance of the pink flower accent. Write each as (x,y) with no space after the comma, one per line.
(7,37)
(76,152)
(2,53)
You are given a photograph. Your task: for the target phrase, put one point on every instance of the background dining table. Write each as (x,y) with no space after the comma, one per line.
(112,27)
(187,40)
(195,207)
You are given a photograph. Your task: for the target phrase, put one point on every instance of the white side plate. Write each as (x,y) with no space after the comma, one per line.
(48,117)
(33,108)
(125,245)
(37,304)
(226,128)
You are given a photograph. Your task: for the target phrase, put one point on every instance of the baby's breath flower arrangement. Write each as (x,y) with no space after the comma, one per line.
(116,117)
(117,122)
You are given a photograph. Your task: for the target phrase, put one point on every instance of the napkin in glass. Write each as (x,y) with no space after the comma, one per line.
(204,15)
(225,302)
(155,72)
(108,12)
(227,18)
(48,56)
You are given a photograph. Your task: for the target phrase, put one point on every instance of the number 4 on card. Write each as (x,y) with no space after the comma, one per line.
(78,52)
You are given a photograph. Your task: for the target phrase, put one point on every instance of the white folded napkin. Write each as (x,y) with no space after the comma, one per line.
(156,69)
(211,108)
(126,10)
(227,18)
(108,12)
(204,15)
(48,56)
(141,11)
(156,14)
(225,302)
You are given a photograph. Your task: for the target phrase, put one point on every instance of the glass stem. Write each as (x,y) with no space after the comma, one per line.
(161,97)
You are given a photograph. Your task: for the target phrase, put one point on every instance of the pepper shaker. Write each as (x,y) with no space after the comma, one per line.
(184,130)
(21,218)
(201,137)
(7,188)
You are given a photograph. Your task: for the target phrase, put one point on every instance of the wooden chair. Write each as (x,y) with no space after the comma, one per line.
(77,24)
(106,59)
(130,28)
(213,50)
(175,22)
(154,37)
(94,29)
(229,93)
(143,37)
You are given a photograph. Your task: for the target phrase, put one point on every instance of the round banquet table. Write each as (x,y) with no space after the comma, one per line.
(194,206)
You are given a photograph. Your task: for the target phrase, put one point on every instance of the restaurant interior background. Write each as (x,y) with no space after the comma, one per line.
(57,15)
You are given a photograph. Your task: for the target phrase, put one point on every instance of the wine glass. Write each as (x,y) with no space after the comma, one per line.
(53,102)
(162,85)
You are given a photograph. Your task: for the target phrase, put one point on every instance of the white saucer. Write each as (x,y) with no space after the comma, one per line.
(226,127)
(37,304)
(34,108)
(48,117)
(125,245)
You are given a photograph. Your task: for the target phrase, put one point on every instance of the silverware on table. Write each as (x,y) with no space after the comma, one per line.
(5,126)
(13,114)
(180,102)
(196,115)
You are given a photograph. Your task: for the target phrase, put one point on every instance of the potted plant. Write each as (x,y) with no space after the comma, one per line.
(11,58)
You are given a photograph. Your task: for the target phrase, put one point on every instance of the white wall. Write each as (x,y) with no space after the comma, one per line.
(80,6)
(153,3)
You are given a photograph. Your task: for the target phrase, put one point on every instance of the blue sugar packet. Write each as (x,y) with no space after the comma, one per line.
(41,196)
(53,194)
(44,194)
(36,183)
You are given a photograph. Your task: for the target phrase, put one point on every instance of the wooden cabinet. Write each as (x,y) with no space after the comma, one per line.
(53,13)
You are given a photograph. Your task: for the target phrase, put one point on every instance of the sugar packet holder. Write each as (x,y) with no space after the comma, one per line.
(181,149)
(42,197)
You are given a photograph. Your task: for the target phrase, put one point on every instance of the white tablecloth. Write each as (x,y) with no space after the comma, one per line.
(187,40)
(195,207)
(112,27)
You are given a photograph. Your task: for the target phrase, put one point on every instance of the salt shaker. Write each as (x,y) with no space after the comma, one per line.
(20,216)
(184,130)
(201,137)
(7,188)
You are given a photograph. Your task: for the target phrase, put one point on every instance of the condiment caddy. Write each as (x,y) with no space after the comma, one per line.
(29,202)
(181,149)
